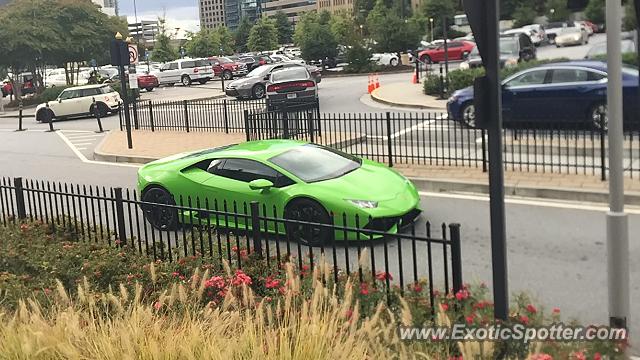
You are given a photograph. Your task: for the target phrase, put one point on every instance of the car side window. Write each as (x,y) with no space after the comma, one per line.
(71,94)
(529,78)
(90,92)
(559,76)
(173,66)
(188,64)
(248,170)
(166,67)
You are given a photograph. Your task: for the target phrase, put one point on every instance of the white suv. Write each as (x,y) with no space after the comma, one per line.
(78,101)
(185,71)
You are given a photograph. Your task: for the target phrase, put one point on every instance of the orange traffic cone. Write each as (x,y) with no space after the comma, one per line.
(371,86)
(414,79)
(376,83)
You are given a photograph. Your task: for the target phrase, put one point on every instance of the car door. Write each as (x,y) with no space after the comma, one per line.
(454,50)
(164,75)
(67,103)
(571,91)
(173,73)
(523,100)
(229,185)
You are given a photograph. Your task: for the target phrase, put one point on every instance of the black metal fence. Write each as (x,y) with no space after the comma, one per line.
(215,230)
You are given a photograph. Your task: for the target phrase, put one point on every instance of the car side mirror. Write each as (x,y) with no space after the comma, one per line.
(260,184)
(59,100)
(266,78)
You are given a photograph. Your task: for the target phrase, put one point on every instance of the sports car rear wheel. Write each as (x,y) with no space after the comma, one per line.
(307,210)
(159,216)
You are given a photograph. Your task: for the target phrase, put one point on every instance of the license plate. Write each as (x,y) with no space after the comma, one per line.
(292,96)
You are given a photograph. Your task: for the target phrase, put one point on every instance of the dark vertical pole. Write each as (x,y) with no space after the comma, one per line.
(125,100)
(484,150)
(226,116)
(417,68)
(186,114)
(122,234)
(19,190)
(445,28)
(310,128)
(20,117)
(389,144)
(50,118)
(153,127)
(603,150)
(120,116)
(285,121)
(456,257)
(136,125)
(97,114)
(255,228)
(246,124)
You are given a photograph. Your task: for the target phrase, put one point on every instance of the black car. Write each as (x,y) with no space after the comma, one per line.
(513,49)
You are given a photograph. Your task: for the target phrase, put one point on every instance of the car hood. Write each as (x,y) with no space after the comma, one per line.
(463,93)
(568,36)
(245,81)
(359,184)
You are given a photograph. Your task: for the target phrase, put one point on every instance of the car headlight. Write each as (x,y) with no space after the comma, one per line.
(577,37)
(464,65)
(453,98)
(365,204)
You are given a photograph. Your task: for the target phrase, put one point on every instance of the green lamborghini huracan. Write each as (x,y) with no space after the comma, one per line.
(299,181)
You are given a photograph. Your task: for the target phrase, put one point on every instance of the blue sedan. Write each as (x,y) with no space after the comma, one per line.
(554,94)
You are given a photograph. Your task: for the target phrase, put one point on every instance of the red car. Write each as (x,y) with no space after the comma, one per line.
(225,67)
(458,50)
(147,81)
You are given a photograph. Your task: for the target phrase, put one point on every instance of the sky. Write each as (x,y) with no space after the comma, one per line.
(181,14)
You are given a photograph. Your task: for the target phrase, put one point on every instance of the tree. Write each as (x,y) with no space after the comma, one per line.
(241,35)
(595,11)
(227,42)
(163,51)
(343,27)
(263,36)
(557,10)
(204,43)
(315,38)
(524,15)
(285,29)
(438,10)
(629,23)
(389,31)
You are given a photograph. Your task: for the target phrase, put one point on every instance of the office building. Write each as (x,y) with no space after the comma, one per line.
(109,7)
(236,10)
(293,8)
(334,6)
(144,30)
(211,13)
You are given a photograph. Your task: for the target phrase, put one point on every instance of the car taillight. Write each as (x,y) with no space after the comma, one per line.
(195,70)
(261,62)
(278,87)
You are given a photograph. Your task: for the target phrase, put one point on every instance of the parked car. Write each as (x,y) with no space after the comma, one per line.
(254,61)
(513,49)
(185,71)
(554,94)
(532,34)
(584,25)
(28,85)
(553,28)
(457,50)
(572,36)
(78,101)
(538,28)
(385,59)
(291,86)
(147,81)
(227,68)
(626,46)
(305,182)
(286,59)
(253,86)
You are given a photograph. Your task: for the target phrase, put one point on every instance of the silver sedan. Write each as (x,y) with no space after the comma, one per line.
(572,36)
(253,85)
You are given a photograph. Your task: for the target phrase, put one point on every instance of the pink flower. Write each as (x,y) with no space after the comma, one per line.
(444,307)
(215,282)
(541,356)
(579,355)
(241,278)
(524,319)
(364,289)
(597,356)
(382,276)
(470,318)
(47,291)
(556,310)
(462,294)
(417,288)
(532,309)
(175,274)
(272,284)
(157,305)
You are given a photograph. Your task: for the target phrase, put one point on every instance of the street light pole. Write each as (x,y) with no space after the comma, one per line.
(431,21)
(617,220)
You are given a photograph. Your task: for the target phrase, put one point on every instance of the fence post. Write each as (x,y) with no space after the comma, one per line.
(310,124)
(19,117)
(456,257)
(97,115)
(153,127)
(226,116)
(389,145)
(285,121)
(319,127)
(136,124)
(255,228)
(484,151)
(122,233)
(246,124)
(603,155)
(120,115)
(19,189)
(186,114)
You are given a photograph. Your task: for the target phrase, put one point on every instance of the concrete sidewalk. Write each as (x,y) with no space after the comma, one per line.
(406,94)
(149,146)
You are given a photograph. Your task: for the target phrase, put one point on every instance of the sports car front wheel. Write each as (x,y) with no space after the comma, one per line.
(302,211)
(159,210)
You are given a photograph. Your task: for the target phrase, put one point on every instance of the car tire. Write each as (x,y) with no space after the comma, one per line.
(468,114)
(227,75)
(160,217)
(44,115)
(307,210)
(150,89)
(393,62)
(103,110)
(258,91)
(593,117)
(186,80)
(202,81)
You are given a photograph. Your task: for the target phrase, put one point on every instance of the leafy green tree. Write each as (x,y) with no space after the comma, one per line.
(344,28)
(557,10)
(241,35)
(595,11)
(629,23)
(524,15)
(163,51)
(263,36)
(285,28)
(204,43)
(315,38)
(359,58)
(437,10)
(389,31)
(227,42)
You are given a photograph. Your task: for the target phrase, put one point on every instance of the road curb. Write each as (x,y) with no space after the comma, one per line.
(375,97)
(572,194)
(330,75)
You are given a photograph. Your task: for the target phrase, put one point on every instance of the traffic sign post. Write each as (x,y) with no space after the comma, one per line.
(483,17)
(121,57)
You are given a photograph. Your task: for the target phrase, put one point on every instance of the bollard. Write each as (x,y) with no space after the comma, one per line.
(222,78)
(20,118)
(97,114)
(51,129)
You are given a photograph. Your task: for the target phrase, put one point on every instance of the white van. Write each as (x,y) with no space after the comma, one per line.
(185,71)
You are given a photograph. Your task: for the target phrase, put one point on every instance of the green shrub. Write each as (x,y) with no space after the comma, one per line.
(359,59)
(627,58)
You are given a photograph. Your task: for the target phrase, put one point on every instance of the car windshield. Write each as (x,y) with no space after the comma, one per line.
(570,30)
(224,60)
(474,52)
(508,46)
(294,73)
(107,89)
(259,71)
(312,163)
(555,25)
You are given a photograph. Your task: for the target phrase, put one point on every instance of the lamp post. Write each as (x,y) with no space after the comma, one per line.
(361,31)
(431,21)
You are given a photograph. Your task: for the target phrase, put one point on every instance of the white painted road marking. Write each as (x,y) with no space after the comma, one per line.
(84,159)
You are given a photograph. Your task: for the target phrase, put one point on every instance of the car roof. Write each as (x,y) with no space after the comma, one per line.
(86,87)
(591,64)
(257,150)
